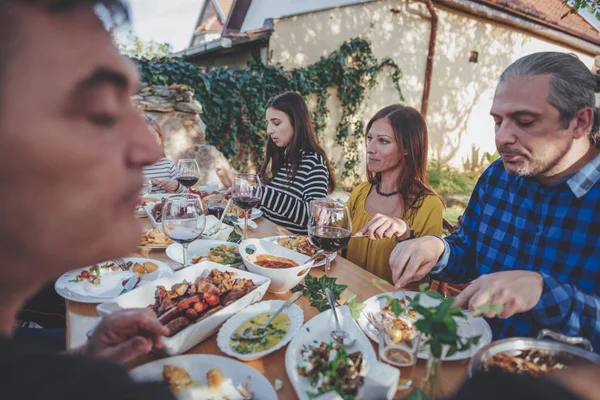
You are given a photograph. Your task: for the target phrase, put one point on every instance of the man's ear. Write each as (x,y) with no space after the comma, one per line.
(583,121)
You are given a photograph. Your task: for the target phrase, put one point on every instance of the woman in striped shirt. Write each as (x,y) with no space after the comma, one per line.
(163,173)
(296,169)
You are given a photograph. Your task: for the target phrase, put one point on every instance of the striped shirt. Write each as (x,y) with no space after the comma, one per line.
(162,169)
(286,202)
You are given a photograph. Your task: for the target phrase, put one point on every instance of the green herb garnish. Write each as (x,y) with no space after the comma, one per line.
(314,288)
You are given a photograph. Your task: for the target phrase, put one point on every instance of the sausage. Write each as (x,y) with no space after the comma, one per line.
(169,316)
(177,325)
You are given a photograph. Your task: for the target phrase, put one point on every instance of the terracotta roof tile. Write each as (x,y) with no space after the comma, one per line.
(550,12)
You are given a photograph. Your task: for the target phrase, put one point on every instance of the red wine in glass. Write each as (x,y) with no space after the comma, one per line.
(216,210)
(184,235)
(330,238)
(187,181)
(246,202)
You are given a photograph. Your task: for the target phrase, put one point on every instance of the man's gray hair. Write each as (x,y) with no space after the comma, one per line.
(572,87)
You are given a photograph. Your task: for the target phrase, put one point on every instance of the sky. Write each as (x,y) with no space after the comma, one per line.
(165,21)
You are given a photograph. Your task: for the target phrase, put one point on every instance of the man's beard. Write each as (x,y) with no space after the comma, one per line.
(531,168)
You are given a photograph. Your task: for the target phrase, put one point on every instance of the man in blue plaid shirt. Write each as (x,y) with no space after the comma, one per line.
(530,236)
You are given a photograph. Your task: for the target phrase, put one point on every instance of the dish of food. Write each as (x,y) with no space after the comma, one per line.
(398,328)
(93,274)
(217,386)
(526,362)
(378,306)
(185,303)
(290,321)
(223,254)
(155,238)
(199,375)
(211,318)
(302,245)
(273,262)
(276,331)
(318,330)
(329,367)
(104,281)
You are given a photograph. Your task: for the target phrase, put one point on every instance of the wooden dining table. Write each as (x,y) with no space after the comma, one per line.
(80,317)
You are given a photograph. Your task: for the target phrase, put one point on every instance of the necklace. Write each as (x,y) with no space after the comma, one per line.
(379,192)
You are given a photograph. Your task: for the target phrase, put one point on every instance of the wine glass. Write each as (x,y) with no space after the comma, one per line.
(183,220)
(329,227)
(188,172)
(146,188)
(246,194)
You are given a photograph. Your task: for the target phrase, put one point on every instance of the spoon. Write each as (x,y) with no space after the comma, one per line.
(316,255)
(340,336)
(260,331)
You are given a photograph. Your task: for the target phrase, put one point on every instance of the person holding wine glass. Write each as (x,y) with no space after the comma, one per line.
(162,174)
(183,220)
(296,169)
(397,202)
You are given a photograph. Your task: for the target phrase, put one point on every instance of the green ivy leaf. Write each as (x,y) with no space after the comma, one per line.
(354,306)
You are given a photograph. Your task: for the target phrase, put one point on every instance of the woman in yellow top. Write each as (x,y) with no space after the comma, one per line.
(397,202)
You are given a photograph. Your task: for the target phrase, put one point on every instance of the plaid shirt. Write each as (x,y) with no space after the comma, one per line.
(516,223)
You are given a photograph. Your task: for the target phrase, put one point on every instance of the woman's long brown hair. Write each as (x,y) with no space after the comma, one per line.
(410,130)
(294,106)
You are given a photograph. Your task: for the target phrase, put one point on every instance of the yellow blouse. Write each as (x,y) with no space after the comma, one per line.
(374,255)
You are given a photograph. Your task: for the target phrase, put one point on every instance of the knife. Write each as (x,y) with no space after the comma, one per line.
(129,285)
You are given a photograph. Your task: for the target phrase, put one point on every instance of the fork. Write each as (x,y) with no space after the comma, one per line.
(120,263)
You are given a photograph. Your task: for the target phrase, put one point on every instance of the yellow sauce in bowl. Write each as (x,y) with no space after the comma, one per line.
(275,332)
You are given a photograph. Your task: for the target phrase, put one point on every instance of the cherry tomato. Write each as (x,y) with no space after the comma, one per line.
(85,274)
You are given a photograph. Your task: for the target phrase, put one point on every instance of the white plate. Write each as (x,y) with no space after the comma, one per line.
(196,248)
(318,330)
(468,327)
(194,333)
(62,284)
(223,338)
(274,239)
(256,213)
(197,365)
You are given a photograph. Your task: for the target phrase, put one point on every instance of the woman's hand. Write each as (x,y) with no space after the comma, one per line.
(168,185)
(382,226)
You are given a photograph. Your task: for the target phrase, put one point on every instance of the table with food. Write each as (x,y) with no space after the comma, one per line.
(252,318)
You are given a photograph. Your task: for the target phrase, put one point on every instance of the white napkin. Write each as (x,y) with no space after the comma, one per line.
(111,284)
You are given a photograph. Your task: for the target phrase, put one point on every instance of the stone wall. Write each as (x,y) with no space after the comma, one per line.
(177,113)
(179,116)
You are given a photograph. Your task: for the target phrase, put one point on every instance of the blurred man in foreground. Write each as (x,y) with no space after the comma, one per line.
(72,150)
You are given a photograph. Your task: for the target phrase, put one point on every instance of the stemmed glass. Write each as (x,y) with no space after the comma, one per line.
(188,172)
(183,220)
(246,194)
(329,227)
(146,188)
